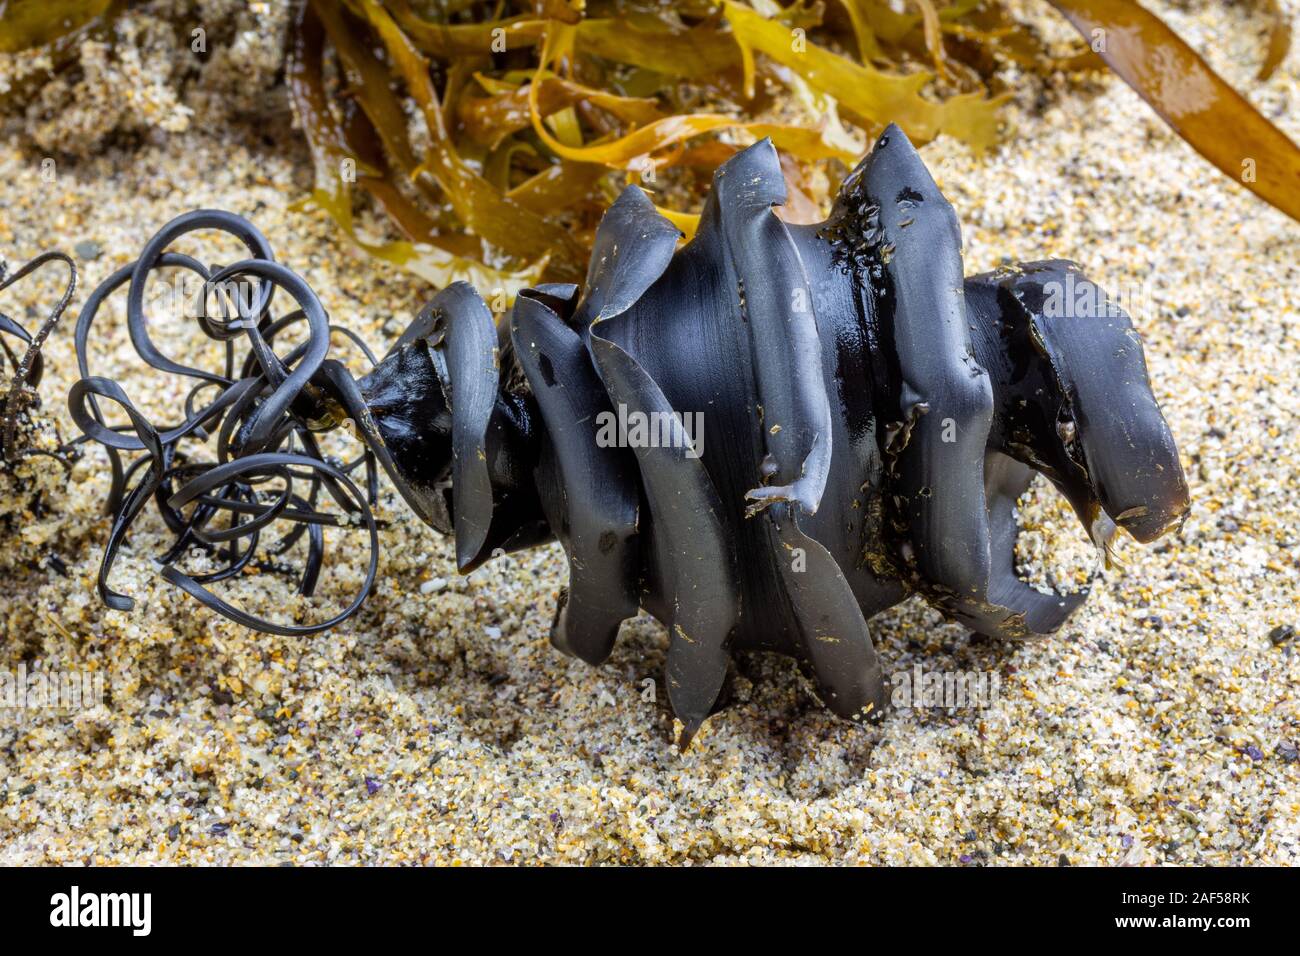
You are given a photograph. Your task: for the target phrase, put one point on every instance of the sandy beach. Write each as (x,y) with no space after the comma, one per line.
(438,726)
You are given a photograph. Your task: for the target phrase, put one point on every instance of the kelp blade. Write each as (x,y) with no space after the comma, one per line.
(26,24)
(479,206)
(1196,102)
(330,149)
(871,94)
(627,150)
(1279,40)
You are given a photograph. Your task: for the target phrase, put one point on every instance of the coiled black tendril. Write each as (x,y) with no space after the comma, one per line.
(28,370)
(245,455)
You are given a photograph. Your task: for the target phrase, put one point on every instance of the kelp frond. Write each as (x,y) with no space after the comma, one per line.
(494,135)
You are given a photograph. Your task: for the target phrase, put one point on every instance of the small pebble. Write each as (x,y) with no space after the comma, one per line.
(88,249)
(1281,634)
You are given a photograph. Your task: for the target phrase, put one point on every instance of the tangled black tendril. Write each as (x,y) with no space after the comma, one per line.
(28,370)
(262,412)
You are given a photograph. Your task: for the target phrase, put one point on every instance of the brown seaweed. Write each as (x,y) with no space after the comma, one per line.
(538,95)
(494,135)
(28,24)
(1197,103)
